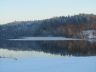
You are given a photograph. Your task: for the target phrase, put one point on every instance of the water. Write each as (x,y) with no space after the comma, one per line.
(56,47)
(54,55)
(48,64)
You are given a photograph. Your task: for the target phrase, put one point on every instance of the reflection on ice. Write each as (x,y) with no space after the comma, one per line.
(60,47)
(5,53)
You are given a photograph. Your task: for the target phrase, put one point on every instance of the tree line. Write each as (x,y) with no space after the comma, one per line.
(67,26)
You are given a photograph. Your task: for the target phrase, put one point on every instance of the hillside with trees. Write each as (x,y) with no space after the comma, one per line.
(64,26)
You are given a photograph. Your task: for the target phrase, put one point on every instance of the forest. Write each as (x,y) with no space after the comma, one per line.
(63,26)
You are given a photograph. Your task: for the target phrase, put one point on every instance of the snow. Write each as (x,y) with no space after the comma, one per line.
(45,38)
(89,34)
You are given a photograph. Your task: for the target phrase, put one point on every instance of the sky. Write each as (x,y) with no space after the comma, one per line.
(25,10)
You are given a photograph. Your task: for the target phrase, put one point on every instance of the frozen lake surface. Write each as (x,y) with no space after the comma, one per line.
(20,55)
(24,61)
(45,38)
(50,39)
(5,53)
(49,64)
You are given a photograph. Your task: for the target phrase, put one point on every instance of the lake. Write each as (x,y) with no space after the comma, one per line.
(47,55)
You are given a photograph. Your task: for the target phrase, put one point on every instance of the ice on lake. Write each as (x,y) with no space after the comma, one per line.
(49,64)
(30,61)
(17,55)
(45,38)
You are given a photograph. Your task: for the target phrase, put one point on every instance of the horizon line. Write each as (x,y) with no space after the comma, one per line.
(36,19)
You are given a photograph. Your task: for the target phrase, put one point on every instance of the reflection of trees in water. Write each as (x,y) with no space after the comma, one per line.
(77,48)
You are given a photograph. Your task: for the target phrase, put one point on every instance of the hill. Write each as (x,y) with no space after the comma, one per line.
(63,26)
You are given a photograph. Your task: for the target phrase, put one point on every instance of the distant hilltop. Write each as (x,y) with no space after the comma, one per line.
(77,26)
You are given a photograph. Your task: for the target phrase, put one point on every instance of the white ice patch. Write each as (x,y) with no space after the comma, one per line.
(45,38)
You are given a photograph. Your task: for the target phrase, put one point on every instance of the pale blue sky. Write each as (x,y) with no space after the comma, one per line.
(11,10)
